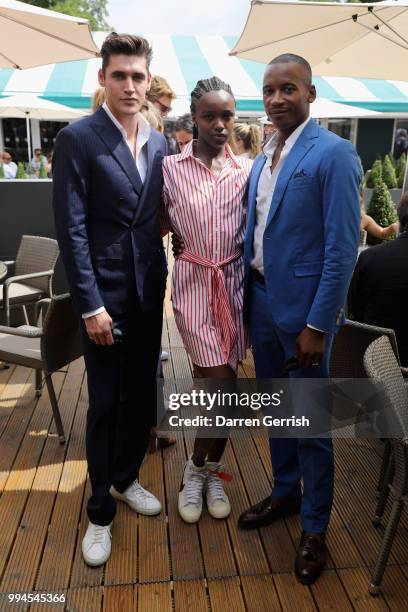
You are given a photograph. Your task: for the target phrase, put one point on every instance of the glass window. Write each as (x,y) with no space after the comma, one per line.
(48,134)
(341,127)
(15,137)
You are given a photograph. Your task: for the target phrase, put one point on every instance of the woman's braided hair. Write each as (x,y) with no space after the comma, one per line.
(204,86)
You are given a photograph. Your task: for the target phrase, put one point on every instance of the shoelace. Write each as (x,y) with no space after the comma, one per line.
(98,534)
(139,490)
(215,486)
(194,487)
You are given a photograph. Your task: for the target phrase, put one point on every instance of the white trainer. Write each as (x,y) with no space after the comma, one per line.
(139,499)
(164,355)
(190,500)
(96,545)
(217,500)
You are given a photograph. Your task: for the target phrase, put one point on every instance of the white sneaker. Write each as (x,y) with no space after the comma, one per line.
(217,501)
(96,545)
(164,356)
(190,500)
(138,499)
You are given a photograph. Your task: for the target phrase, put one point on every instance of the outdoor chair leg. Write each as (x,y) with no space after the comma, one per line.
(386,545)
(55,409)
(27,322)
(382,500)
(38,383)
(384,466)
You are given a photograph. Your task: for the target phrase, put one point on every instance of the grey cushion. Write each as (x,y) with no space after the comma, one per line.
(22,351)
(21,294)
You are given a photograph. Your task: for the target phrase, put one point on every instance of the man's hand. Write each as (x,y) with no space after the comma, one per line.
(99,329)
(310,347)
(177,244)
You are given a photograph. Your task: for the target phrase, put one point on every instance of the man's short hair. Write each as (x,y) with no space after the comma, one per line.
(286,58)
(125,44)
(159,88)
(185,123)
(37,151)
(403,213)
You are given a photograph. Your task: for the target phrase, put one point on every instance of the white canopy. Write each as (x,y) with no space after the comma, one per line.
(25,106)
(348,40)
(32,36)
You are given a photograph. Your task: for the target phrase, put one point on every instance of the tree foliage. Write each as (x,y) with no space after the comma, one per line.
(375,174)
(95,11)
(388,173)
(381,207)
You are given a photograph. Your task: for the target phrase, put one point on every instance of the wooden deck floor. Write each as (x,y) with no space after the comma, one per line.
(160,563)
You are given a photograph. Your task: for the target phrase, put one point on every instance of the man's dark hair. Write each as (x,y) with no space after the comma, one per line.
(125,44)
(37,151)
(206,85)
(286,58)
(403,213)
(184,123)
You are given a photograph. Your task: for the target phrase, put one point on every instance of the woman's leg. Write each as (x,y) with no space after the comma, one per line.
(210,449)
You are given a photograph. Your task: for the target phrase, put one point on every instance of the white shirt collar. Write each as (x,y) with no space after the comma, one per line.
(143,127)
(270,146)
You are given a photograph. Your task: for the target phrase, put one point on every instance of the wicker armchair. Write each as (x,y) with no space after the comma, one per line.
(32,276)
(46,348)
(347,361)
(380,363)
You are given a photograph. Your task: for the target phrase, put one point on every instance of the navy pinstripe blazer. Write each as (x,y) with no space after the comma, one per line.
(107,220)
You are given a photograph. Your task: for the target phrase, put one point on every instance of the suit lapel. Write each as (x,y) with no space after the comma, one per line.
(303,144)
(252,192)
(113,139)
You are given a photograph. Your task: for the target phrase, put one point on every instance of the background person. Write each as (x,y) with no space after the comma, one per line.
(247,140)
(37,160)
(378,292)
(9,160)
(203,192)
(183,131)
(161,96)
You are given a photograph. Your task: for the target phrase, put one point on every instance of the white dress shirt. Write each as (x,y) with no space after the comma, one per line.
(266,188)
(143,134)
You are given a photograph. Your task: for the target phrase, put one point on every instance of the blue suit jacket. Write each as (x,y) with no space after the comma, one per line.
(311,237)
(106,219)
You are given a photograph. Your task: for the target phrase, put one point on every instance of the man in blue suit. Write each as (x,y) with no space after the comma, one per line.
(300,249)
(107,172)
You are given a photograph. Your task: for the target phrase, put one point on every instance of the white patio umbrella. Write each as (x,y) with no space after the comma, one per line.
(32,36)
(25,106)
(349,40)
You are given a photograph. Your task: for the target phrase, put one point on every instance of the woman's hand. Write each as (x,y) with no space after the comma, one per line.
(177,244)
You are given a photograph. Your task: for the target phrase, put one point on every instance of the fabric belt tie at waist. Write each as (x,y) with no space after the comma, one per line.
(224,322)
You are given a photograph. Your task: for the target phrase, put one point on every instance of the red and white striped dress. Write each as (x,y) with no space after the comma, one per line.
(207,284)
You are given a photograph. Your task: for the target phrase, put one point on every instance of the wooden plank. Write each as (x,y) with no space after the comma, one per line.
(225,595)
(154,597)
(121,567)
(276,537)
(5,375)
(293,595)
(190,595)
(184,543)
(355,582)
(26,553)
(247,546)
(153,537)
(329,593)
(89,599)
(18,469)
(260,594)
(55,568)
(19,385)
(394,588)
(119,598)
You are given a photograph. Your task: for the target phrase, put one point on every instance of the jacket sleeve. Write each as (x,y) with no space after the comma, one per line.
(71,189)
(340,177)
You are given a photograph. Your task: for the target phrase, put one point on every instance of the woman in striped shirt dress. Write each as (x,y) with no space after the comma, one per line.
(203,193)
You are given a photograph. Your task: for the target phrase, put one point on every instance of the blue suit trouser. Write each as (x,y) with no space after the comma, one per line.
(293,459)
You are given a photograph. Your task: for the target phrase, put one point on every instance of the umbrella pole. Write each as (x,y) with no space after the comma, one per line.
(28,136)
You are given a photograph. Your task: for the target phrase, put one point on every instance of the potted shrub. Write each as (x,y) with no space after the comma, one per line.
(2,172)
(400,169)
(21,173)
(42,173)
(388,173)
(375,174)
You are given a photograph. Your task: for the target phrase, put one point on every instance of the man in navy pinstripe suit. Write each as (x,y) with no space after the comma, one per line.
(107,172)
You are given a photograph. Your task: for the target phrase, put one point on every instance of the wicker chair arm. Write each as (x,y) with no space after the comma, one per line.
(17,279)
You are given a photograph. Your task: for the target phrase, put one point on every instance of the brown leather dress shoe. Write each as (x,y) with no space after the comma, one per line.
(269,510)
(311,557)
